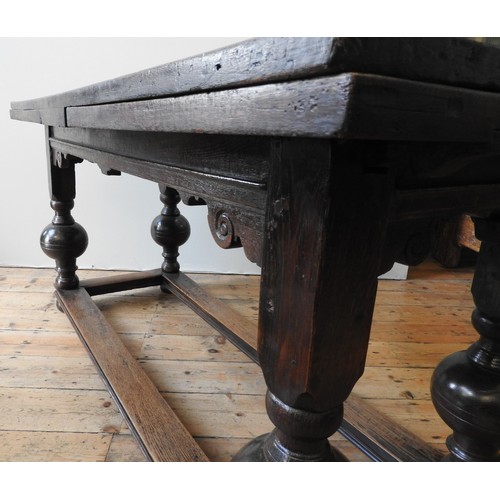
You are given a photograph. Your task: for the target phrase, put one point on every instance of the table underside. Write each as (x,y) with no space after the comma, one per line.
(230,174)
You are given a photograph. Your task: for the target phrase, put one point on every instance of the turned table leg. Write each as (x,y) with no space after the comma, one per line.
(63,240)
(465,386)
(170,229)
(325,229)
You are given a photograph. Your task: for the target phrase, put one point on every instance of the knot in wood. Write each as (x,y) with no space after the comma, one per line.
(281,207)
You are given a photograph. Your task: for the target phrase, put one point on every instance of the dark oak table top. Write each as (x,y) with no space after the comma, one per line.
(349,88)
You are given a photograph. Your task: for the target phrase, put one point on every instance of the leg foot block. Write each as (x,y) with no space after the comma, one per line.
(267,448)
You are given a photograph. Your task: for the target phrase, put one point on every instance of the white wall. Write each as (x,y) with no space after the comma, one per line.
(115,211)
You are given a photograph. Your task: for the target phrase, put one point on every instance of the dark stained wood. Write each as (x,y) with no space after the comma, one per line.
(452,61)
(407,242)
(235,226)
(242,201)
(309,333)
(347,106)
(466,385)
(251,195)
(245,158)
(435,202)
(123,282)
(156,427)
(436,164)
(360,145)
(303,253)
(251,62)
(261,110)
(170,229)
(381,438)
(64,240)
(445,248)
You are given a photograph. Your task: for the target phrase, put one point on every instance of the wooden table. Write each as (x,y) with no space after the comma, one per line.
(327,160)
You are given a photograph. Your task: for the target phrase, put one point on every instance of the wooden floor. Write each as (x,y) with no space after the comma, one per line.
(54,407)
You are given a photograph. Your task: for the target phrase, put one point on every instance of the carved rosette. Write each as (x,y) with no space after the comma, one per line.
(223,230)
(231,229)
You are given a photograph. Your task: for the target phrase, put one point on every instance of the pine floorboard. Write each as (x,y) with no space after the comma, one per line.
(54,406)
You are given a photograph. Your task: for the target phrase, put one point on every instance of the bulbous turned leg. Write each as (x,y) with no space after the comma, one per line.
(465,386)
(63,240)
(170,229)
(299,436)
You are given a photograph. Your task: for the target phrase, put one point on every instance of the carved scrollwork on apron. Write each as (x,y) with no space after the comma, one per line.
(230,229)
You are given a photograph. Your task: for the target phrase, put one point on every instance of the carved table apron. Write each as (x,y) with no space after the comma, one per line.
(327,160)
